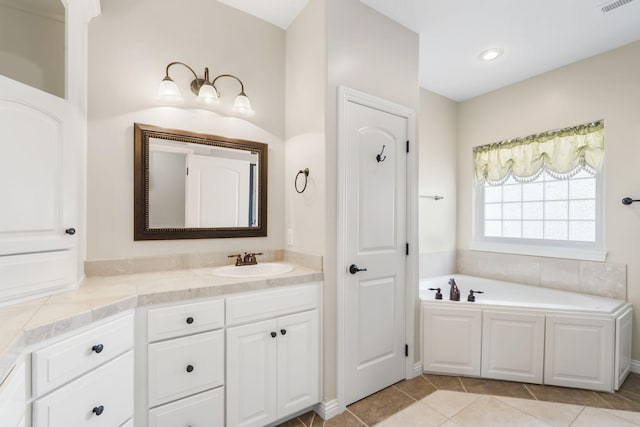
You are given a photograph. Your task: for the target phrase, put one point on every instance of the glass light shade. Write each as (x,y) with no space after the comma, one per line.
(208,95)
(242,106)
(168,91)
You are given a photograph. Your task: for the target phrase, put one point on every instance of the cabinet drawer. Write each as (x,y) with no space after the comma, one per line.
(67,359)
(175,321)
(103,398)
(270,303)
(13,395)
(202,410)
(184,366)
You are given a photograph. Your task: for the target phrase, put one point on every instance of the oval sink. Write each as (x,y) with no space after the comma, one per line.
(257,270)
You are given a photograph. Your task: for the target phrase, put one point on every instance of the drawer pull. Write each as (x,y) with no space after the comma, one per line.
(189,320)
(189,368)
(98,410)
(273,334)
(283,331)
(97,348)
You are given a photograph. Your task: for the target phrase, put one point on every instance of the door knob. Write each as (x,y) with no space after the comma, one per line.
(353,269)
(98,410)
(70,231)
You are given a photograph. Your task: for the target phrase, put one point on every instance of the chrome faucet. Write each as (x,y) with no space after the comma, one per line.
(248,259)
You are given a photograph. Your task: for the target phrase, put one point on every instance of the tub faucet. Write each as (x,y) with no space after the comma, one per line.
(454,292)
(472,297)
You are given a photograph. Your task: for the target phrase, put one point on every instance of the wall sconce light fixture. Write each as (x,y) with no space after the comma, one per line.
(206,91)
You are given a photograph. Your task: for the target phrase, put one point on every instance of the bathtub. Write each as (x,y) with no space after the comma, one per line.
(525,333)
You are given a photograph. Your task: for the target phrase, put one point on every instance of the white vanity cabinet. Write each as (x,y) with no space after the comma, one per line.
(272,364)
(451,340)
(184,358)
(85,379)
(13,397)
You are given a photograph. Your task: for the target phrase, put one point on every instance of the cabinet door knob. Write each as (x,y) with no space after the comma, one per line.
(283,331)
(273,334)
(97,348)
(98,410)
(189,320)
(189,368)
(70,231)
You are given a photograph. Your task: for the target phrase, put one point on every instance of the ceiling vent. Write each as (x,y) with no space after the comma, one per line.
(612,5)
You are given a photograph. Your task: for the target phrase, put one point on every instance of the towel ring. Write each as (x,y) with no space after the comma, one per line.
(306,176)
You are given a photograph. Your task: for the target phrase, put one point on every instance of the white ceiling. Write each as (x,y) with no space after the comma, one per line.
(536,35)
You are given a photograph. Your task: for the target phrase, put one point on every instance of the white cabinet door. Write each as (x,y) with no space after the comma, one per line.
(102,398)
(13,397)
(39,172)
(202,410)
(452,340)
(513,346)
(185,366)
(298,362)
(251,374)
(624,325)
(579,352)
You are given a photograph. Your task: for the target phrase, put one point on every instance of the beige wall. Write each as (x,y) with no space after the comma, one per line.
(438,124)
(368,52)
(131,44)
(306,71)
(606,86)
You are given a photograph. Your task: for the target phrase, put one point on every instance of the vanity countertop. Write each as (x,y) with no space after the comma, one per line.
(28,323)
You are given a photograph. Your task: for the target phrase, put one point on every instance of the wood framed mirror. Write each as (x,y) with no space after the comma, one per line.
(196,186)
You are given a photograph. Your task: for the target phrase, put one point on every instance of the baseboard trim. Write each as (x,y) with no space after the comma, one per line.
(327,409)
(417,369)
(635,366)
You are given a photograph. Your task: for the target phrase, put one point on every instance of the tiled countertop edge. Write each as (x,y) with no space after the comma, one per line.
(58,314)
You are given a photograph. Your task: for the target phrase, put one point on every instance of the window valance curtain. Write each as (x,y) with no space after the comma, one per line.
(560,151)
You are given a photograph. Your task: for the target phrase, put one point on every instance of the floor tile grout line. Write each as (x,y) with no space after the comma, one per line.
(576,417)
(405,393)
(462,384)
(604,401)
(531,393)
(357,417)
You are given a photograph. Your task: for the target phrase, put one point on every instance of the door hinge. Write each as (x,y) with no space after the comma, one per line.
(187,171)
(406,350)
(407,145)
(406,249)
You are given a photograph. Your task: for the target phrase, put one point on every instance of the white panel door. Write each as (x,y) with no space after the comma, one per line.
(217,192)
(579,352)
(375,204)
(251,374)
(451,340)
(38,170)
(298,362)
(513,346)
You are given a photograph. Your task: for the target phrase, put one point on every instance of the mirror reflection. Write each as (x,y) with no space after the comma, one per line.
(192,185)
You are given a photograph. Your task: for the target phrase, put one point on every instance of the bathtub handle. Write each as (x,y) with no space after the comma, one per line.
(438,293)
(353,269)
(472,297)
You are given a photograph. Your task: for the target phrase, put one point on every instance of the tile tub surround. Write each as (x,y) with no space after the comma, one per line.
(450,401)
(587,277)
(28,323)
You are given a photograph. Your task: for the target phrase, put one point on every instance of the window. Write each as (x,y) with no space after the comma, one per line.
(542,190)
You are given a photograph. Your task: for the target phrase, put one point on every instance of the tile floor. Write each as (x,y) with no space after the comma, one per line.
(446,401)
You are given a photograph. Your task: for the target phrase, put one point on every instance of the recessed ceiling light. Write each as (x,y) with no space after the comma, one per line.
(491,54)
